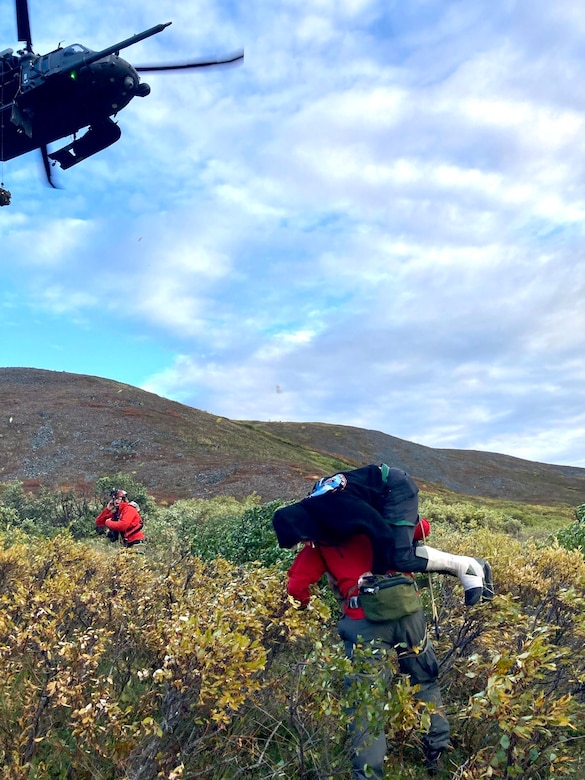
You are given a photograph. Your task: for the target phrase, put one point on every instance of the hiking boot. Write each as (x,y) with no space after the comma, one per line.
(469,570)
(433,763)
(488,582)
(473,582)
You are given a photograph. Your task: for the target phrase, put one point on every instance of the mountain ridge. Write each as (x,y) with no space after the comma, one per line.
(60,429)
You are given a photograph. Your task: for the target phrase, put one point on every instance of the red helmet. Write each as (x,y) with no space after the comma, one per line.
(115,493)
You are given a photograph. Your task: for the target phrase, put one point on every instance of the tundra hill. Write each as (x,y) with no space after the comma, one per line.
(60,429)
(469,472)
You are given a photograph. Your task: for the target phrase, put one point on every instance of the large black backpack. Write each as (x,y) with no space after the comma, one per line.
(357,501)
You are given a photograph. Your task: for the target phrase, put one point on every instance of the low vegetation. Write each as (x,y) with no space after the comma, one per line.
(190,661)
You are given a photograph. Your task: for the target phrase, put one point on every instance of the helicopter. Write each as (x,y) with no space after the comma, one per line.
(49,97)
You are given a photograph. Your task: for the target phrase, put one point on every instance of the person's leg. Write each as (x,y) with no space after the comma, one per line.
(400,502)
(419,662)
(368,743)
(416,658)
(404,550)
(474,573)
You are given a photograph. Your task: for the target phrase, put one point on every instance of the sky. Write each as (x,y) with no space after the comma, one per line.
(378,220)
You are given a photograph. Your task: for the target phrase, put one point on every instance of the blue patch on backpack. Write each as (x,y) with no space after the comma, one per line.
(328,485)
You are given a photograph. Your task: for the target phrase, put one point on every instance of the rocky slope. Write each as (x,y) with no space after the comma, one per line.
(62,429)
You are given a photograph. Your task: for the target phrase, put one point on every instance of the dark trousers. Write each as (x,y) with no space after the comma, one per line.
(421,667)
(403,554)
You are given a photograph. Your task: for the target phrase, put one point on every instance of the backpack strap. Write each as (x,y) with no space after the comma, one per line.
(385,469)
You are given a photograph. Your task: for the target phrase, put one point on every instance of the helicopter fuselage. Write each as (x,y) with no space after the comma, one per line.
(45,98)
(49,97)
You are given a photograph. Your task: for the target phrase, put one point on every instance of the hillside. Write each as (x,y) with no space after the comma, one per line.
(62,429)
(469,472)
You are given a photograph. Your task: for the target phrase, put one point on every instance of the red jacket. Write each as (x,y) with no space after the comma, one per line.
(128,523)
(345,563)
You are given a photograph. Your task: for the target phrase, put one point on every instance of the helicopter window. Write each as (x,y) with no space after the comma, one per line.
(47,61)
(75,48)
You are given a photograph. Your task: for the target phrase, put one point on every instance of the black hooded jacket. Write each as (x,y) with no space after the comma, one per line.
(370,503)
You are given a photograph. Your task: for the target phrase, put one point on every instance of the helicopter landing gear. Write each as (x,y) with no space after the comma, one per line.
(98,137)
(5,196)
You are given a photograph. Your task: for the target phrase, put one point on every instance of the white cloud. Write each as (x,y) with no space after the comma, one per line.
(47,243)
(385,202)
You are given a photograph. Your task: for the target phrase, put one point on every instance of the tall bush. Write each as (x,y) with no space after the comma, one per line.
(573,537)
(45,513)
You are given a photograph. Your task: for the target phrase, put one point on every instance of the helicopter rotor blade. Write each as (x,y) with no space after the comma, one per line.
(230,59)
(23,23)
(47,166)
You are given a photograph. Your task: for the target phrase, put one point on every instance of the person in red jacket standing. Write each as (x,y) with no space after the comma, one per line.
(121,519)
(345,564)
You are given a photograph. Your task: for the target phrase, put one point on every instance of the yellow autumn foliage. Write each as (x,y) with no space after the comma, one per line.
(118,666)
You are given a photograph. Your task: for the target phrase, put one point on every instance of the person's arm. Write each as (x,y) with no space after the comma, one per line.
(307,569)
(127,518)
(100,521)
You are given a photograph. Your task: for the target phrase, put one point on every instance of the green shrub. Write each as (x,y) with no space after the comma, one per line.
(242,538)
(573,537)
(239,531)
(47,513)
(463,515)
(513,518)
(172,530)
